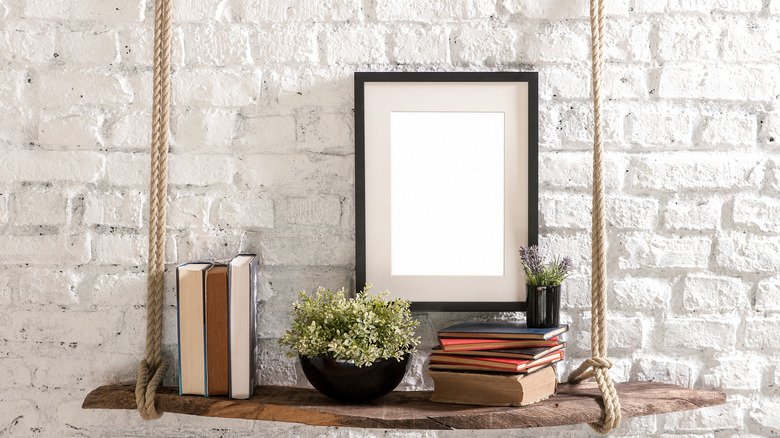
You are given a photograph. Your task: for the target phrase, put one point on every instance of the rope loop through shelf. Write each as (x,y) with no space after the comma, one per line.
(598,366)
(152,368)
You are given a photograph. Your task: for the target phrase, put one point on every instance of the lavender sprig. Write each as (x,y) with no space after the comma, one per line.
(539,274)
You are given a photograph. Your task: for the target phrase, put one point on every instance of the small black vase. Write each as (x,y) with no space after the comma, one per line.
(543,306)
(344,381)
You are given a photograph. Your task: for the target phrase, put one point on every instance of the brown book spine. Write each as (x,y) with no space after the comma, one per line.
(217,342)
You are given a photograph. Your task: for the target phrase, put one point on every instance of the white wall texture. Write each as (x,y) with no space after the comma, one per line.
(262,160)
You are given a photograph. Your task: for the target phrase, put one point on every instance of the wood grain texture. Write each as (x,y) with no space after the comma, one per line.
(413,410)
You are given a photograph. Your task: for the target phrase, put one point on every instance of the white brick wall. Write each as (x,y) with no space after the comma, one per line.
(262,138)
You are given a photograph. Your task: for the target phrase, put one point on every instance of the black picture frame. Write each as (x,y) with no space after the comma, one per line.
(360,81)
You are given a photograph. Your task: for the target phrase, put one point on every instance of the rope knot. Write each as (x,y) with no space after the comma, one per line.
(146,388)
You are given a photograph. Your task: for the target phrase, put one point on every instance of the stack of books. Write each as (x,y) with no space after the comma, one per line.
(495,363)
(216,318)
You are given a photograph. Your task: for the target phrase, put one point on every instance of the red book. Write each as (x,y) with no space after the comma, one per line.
(455,344)
(492,363)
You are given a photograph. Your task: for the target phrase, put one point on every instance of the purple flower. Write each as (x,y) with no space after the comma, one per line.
(531,260)
(564,265)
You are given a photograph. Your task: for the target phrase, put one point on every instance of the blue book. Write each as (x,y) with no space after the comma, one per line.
(500,330)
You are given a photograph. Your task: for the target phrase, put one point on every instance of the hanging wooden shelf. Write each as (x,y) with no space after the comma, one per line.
(574,404)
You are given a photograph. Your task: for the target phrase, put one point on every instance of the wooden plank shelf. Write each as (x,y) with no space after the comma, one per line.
(574,404)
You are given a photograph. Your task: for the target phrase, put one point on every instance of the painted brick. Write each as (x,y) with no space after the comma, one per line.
(682,333)
(27,43)
(317,249)
(738,82)
(556,81)
(77,130)
(136,47)
(14,373)
(696,170)
(195,11)
(434,11)
(751,40)
(115,209)
(748,253)
(352,45)
(287,11)
(773,178)
(682,213)
(565,210)
(130,131)
(558,10)
(312,210)
(216,87)
(273,46)
(125,169)
(624,333)
(62,89)
(20,416)
(40,208)
(732,130)
(318,130)
(47,166)
(220,247)
(245,213)
(204,130)
(668,129)
(765,413)
(762,333)
(485,45)
(124,289)
(421,45)
(574,170)
(4,216)
(647,250)
(577,246)
(115,249)
(200,169)
(759,212)
(736,373)
(298,171)
(705,293)
(46,287)
(268,133)
(575,292)
(189,212)
(44,249)
(12,87)
(56,326)
(702,6)
(768,295)
(557,41)
(122,11)
(97,47)
(218,46)
(632,213)
(667,370)
(687,38)
(625,82)
(577,126)
(645,293)
(627,40)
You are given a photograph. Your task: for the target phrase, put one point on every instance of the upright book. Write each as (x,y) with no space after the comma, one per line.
(493,389)
(190,305)
(217,336)
(242,277)
(500,330)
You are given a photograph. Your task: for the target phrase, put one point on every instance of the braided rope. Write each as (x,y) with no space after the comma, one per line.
(153,364)
(598,366)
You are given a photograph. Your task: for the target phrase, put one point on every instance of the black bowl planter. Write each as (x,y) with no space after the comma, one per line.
(344,381)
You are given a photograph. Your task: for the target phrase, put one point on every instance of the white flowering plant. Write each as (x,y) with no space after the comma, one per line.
(361,329)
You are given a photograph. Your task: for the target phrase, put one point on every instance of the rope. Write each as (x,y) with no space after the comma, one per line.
(598,366)
(153,364)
